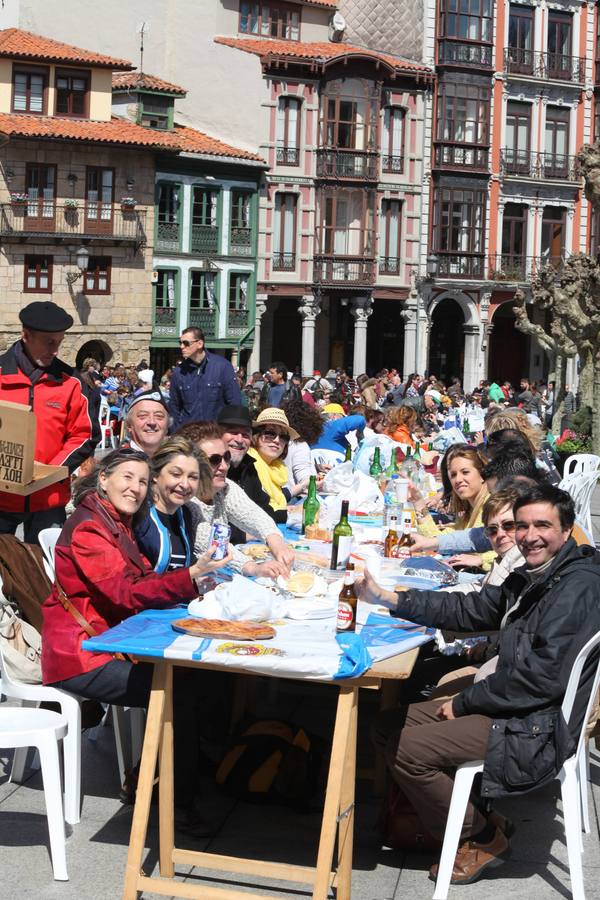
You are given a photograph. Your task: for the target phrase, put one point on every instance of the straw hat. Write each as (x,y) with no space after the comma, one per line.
(275,416)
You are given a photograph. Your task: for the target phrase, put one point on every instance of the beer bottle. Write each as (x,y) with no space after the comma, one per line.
(376,468)
(391,538)
(347,603)
(311,506)
(342,540)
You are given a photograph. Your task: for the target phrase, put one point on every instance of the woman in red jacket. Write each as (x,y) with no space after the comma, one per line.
(101,579)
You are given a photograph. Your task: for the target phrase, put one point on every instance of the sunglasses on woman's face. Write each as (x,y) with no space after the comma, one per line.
(215,459)
(507,527)
(273,435)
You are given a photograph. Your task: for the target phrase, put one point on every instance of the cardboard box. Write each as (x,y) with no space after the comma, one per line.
(19,472)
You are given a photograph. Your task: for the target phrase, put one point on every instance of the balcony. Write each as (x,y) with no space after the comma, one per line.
(392,164)
(463,53)
(358,165)
(206,319)
(284,262)
(548,66)
(240,241)
(512,267)
(168,236)
(205,239)
(343,270)
(43,218)
(389,265)
(460,265)
(288,156)
(238,322)
(541,166)
(452,155)
(165,321)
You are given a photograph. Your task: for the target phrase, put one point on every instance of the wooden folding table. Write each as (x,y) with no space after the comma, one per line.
(338,811)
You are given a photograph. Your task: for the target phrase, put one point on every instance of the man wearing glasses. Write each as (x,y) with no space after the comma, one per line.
(202,384)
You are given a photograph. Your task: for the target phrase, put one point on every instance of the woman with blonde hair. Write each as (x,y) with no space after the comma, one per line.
(515,420)
(400,424)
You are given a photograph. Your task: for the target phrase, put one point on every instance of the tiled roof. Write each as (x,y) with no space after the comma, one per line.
(330,4)
(19,44)
(322,51)
(117,131)
(192,141)
(123,81)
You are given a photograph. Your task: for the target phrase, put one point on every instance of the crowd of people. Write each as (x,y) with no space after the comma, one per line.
(206,446)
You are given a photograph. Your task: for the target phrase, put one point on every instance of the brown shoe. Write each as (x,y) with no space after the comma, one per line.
(472,859)
(506,826)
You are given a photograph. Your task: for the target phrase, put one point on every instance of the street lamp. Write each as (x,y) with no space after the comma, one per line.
(432,266)
(82,258)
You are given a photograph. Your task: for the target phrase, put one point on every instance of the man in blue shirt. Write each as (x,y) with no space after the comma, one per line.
(203,384)
(337,426)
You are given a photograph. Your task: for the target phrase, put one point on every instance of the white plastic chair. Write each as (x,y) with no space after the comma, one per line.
(573,786)
(42,729)
(108,437)
(581,462)
(580,486)
(47,539)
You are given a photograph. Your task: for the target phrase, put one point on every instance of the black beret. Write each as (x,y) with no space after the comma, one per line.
(43,315)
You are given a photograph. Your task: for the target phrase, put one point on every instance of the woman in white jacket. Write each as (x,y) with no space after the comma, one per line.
(307,421)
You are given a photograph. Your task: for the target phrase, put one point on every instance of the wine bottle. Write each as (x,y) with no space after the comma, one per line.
(311,506)
(348,456)
(342,540)
(376,468)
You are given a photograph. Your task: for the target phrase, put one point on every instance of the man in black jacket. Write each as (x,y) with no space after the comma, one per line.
(545,612)
(278,390)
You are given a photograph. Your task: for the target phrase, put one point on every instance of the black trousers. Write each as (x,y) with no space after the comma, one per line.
(33,523)
(123,683)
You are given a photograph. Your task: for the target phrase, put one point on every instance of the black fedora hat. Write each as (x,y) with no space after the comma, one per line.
(235,415)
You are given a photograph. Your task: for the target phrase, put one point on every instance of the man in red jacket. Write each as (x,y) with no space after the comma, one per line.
(31,373)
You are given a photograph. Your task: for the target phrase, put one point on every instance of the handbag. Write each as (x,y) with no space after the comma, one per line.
(21,646)
(80,618)
(400,826)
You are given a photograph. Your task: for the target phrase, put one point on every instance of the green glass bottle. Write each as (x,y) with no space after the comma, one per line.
(376,468)
(392,469)
(348,456)
(311,506)
(417,453)
(342,540)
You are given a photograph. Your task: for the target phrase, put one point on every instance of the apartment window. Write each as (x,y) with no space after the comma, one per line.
(237,303)
(96,278)
(349,115)
(467,20)
(288,131)
(559,39)
(30,90)
(518,130)
(556,146)
(393,139)
(40,185)
(240,209)
(520,27)
(205,227)
(38,274)
(458,230)
(156,112)
(276,20)
(99,198)
(347,223)
(167,219)
(514,236)
(553,234)
(463,113)
(165,301)
(284,236)
(389,237)
(203,290)
(72,89)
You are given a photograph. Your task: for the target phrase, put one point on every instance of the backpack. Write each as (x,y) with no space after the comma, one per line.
(271,761)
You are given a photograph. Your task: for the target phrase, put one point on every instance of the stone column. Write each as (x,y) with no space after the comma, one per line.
(361,310)
(260,310)
(309,309)
(410,315)
(471,376)
(486,330)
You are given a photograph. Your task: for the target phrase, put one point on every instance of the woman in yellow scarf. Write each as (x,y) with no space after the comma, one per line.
(271,436)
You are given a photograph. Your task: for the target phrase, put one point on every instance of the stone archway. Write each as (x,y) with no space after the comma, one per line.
(509,348)
(96,349)
(454,340)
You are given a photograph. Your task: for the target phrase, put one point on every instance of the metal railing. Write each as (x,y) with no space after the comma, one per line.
(515,267)
(288,156)
(205,239)
(523,163)
(165,321)
(457,156)
(237,322)
(461,53)
(460,265)
(389,265)
(343,270)
(550,65)
(206,319)
(284,262)
(355,164)
(168,235)
(240,241)
(393,164)
(108,220)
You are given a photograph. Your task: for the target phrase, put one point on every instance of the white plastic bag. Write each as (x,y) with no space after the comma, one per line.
(364,455)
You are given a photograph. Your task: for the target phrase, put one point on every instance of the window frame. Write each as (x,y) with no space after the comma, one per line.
(97,222)
(384,230)
(366,230)
(387,152)
(167,117)
(480,94)
(179,218)
(510,222)
(519,14)
(24,69)
(84,74)
(337,93)
(445,13)
(97,271)
(260,20)
(287,144)
(279,264)
(27,262)
(479,199)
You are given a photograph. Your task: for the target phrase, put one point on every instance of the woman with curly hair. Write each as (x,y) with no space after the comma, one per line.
(307,421)
(400,424)
(515,420)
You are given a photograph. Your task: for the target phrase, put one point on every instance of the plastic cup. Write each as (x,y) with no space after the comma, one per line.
(402,490)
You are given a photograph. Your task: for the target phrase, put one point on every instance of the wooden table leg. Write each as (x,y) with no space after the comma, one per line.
(166,791)
(389,696)
(346,708)
(141,812)
(346,810)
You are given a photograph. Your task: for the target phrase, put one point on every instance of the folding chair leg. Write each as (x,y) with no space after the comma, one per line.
(463,782)
(584,777)
(48,749)
(571,801)
(72,772)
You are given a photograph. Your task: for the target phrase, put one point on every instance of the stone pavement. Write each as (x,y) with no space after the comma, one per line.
(96,848)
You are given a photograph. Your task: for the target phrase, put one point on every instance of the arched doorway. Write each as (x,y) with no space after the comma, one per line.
(98,350)
(447,340)
(385,337)
(509,348)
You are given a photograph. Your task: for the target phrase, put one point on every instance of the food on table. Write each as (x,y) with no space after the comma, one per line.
(255,551)
(224,628)
(301,583)
(317,533)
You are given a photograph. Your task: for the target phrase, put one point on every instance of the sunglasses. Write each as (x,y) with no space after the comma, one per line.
(508,527)
(272,435)
(187,343)
(215,459)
